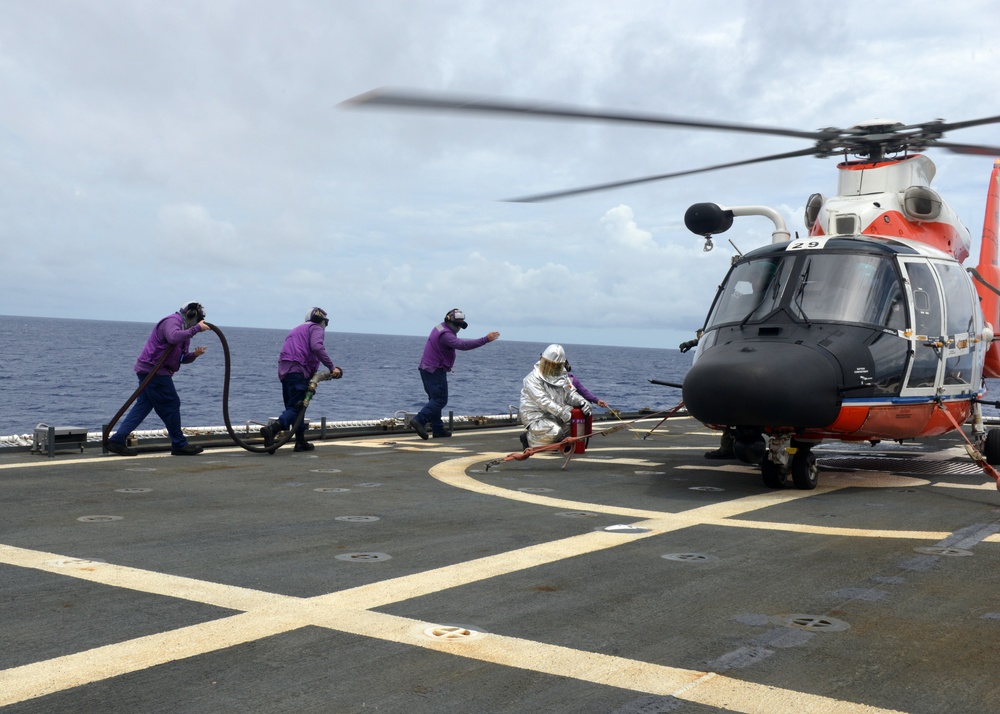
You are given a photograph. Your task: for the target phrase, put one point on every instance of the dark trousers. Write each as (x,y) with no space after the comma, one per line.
(159,396)
(293,388)
(436,386)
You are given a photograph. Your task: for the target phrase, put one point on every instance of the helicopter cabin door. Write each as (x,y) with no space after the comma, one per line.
(946,321)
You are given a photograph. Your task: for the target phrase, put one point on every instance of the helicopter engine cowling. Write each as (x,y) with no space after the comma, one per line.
(765,384)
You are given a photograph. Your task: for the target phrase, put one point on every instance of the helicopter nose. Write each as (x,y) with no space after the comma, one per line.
(763,384)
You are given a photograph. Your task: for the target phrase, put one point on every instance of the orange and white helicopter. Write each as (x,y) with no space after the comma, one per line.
(868,329)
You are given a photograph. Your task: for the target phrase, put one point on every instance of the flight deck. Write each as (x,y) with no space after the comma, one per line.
(383,573)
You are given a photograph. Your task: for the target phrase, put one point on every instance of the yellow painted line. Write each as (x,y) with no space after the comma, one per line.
(266,614)
(227,596)
(728,694)
(989,486)
(335,611)
(722,514)
(38,679)
(406,587)
(61,673)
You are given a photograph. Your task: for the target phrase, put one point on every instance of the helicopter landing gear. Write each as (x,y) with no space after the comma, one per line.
(991,447)
(805,472)
(796,462)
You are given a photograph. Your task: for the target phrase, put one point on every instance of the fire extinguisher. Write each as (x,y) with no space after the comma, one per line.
(580,425)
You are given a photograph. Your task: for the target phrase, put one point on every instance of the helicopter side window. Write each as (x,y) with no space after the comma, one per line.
(959,303)
(960,323)
(927,321)
(927,311)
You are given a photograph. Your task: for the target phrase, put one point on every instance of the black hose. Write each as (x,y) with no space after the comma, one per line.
(225,404)
(114,420)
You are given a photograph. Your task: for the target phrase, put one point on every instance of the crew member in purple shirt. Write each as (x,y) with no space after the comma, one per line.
(436,362)
(584,392)
(172,335)
(300,357)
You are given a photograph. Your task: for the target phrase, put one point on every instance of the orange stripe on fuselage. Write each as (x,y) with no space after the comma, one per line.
(891,421)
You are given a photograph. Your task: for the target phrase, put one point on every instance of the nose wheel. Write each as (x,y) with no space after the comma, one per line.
(802,470)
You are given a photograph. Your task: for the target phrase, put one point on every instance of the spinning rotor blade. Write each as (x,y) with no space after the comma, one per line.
(601,187)
(951,126)
(972,149)
(872,140)
(414,100)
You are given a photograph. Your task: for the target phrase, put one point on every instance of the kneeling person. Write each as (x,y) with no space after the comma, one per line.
(547,400)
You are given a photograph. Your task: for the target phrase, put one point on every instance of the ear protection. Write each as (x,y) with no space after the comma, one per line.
(193,311)
(318,315)
(456,317)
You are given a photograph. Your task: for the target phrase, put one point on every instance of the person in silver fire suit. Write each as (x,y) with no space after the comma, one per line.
(547,400)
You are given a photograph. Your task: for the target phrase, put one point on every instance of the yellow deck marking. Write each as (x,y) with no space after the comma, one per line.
(284,614)
(265,614)
(988,486)
(40,678)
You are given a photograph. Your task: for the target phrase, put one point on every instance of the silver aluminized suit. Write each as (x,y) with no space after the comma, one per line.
(546,406)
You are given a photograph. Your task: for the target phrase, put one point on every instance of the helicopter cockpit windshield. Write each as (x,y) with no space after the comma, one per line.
(859,288)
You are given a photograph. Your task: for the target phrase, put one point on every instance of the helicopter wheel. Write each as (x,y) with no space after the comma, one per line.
(773,475)
(991,449)
(805,472)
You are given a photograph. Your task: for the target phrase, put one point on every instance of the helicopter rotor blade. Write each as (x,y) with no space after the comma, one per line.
(971,149)
(539,197)
(951,126)
(417,100)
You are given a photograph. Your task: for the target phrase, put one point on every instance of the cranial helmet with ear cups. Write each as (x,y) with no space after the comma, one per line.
(456,317)
(318,315)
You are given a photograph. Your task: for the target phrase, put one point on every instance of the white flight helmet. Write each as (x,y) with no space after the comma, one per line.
(553,361)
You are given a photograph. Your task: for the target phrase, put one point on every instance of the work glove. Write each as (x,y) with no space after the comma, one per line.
(587,409)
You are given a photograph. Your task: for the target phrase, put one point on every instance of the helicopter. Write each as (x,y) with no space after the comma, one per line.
(867,329)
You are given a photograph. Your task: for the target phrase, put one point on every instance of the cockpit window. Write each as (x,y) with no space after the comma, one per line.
(814,286)
(752,288)
(851,288)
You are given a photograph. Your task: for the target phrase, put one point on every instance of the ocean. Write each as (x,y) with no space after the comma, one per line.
(79,373)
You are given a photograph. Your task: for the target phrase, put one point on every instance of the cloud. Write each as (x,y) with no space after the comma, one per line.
(153,151)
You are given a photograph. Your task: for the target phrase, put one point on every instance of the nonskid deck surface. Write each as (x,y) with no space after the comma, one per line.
(398,575)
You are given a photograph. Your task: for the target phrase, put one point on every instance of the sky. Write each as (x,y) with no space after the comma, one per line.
(153,153)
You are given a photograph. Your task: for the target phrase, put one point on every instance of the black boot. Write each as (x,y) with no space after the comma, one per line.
(301,444)
(270,432)
(725,450)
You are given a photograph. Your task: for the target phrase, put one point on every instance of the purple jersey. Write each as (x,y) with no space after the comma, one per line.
(169,334)
(303,351)
(584,392)
(439,352)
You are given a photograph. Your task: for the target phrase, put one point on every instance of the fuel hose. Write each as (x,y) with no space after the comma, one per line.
(289,433)
(257,448)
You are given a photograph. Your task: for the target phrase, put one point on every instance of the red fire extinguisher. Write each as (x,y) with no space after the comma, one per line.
(580,425)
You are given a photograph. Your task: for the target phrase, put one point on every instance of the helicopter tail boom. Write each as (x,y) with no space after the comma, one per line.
(989,271)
